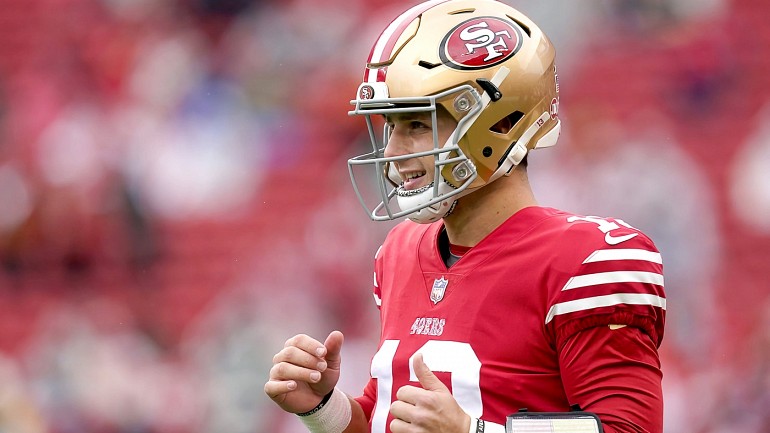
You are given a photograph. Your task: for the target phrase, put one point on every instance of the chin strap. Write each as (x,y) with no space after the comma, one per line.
(519,149)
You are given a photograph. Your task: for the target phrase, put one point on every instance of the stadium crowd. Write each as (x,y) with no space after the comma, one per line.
(175,203)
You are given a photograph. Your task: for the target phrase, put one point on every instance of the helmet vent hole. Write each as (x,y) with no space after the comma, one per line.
(427,65)
(522,25)
(504,125)
(487,152)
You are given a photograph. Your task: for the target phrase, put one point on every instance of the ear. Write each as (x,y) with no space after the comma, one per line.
(504,125)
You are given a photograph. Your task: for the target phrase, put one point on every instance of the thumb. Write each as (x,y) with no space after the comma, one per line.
(333,345)
(427,379)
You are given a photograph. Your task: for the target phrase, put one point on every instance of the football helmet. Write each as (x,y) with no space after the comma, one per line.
(490,67)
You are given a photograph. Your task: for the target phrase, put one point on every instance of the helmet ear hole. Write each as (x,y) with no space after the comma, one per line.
(504,125)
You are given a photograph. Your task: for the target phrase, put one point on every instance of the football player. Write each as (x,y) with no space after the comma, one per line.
(489,303)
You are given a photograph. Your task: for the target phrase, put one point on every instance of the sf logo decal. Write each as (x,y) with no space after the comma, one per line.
(480,43)
(366,92)
(479,36)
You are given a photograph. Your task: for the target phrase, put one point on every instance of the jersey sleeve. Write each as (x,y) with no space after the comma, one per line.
(606,318)
(377,291)
(607,278)
(368,398)
(614,373)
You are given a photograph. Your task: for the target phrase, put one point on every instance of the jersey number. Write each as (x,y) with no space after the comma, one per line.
(607,227)
(453,357)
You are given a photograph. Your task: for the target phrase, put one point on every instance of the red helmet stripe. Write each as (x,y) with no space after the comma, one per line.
(383,48)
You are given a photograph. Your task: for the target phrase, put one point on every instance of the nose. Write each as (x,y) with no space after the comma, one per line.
(397,143)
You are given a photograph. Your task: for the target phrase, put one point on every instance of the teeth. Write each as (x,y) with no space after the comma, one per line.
(411,176)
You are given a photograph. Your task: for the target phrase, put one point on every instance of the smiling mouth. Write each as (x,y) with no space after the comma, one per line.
(412,180)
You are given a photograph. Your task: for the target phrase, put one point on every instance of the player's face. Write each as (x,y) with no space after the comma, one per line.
(411,133)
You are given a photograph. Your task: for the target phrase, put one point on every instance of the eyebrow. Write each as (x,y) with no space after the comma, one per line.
(408,116)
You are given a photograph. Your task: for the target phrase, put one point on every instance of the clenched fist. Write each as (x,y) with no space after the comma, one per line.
(304,371)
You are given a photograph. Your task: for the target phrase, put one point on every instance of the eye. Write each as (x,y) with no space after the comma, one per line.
(416,124)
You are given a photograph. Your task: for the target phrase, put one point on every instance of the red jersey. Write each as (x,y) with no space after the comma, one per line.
(548,311)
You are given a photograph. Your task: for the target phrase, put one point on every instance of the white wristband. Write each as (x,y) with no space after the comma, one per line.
(333,417)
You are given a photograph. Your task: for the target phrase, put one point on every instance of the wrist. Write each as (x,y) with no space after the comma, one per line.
(319,406)
(332,415)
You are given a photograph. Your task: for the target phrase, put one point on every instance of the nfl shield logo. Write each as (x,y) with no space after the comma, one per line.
(439,287)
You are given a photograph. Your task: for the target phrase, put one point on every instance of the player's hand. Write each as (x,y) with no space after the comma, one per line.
(304,371)
(431,408)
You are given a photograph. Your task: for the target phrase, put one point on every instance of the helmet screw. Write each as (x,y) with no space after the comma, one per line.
(461,172)
(462,103)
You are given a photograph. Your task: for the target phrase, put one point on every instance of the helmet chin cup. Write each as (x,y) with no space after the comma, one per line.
(433,213)
(422,213)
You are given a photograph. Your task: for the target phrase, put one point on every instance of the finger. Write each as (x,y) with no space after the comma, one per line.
(297,356)
(427,379)
(286,371)
(399,426)
(409,394)
(333,347)
(275,389)
(306,343)
(402,410)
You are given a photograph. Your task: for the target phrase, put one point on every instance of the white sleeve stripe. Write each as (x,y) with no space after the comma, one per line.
(377,300)
(624,254)
(375,280)
(605,301)
(613,277)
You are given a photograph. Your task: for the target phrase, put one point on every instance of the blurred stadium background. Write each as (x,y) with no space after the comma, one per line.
(174,200)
